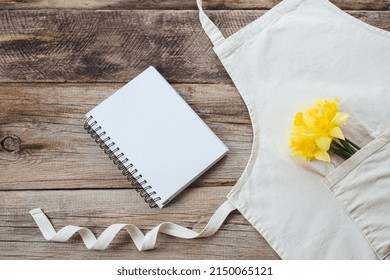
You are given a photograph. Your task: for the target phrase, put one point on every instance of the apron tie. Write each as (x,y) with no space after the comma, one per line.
(209,27)
(141,241)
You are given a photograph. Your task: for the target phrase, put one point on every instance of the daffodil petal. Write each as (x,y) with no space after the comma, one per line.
(308,119)
(323,143)
(298,121)
(322,155)
(309,132)
(339,119)
(336,132)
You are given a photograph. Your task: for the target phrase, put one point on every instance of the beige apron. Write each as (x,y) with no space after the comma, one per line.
(297,51)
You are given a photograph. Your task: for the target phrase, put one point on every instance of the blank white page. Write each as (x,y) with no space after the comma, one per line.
(159,133)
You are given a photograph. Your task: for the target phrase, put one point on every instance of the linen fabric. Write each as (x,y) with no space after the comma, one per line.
(280,63)
(362,186)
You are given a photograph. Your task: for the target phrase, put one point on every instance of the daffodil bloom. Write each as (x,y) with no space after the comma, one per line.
(315,130)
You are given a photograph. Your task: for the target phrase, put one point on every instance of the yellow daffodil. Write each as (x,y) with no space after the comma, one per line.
(314,130)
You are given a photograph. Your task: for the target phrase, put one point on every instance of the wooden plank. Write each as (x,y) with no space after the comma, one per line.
(113,46)
(97,209)
(178,4)
(57,153)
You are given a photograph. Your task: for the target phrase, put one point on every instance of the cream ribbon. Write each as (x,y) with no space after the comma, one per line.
(141,241)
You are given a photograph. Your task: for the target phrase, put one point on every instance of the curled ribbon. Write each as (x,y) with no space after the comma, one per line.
(141,241)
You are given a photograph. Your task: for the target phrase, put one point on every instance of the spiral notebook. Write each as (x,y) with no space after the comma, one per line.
(154,137)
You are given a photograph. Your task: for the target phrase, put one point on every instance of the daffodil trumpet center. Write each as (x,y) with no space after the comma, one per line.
(344,148)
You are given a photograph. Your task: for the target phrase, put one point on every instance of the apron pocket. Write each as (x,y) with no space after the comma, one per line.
(362,185)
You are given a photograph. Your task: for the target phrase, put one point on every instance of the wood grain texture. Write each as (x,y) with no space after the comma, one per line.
(178,4)
(96,209)
(57,153)
(61,169)
(113,46)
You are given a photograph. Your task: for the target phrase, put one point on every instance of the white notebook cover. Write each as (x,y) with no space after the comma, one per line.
(159,133)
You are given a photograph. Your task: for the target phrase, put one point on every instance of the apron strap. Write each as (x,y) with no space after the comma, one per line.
(141,241)
(209,27)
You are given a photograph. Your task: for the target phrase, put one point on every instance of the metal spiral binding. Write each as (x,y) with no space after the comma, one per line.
(127,168)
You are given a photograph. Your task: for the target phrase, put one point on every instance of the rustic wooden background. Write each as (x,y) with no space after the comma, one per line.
(59,59)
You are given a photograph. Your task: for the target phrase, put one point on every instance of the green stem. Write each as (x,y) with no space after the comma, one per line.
(340,153)
(345,150)
(337,145)
(340,150)
(347,146)
(353,144)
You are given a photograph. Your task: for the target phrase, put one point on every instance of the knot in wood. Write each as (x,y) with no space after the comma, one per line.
(10,143)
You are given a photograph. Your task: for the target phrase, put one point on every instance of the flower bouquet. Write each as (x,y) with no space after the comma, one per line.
(317,130)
